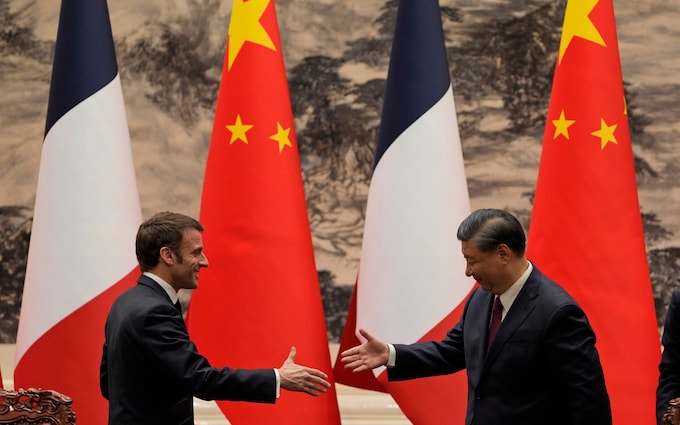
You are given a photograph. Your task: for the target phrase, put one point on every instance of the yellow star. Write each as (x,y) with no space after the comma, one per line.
(605,133)
(562,126)
(578,24)
(245,26)
(238,131)
(281,136)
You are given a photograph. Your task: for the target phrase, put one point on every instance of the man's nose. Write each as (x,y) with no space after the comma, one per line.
(204,262)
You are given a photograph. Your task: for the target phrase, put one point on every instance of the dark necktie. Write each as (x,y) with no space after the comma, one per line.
(496,315)
(178,306)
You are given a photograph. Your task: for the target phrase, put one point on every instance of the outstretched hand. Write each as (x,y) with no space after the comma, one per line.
(295,377)
(369,355)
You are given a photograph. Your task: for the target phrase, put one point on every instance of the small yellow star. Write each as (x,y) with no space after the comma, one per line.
(562,126)
(578,24)
(238,130)
(281,136)
(605,133)
(245,26)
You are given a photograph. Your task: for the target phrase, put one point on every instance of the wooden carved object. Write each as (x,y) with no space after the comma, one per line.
(35,406)
(672,416)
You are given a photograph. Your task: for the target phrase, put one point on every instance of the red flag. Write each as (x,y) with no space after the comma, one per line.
(2,385)
(260,295)
(87,212)
(411,282)
(586,228)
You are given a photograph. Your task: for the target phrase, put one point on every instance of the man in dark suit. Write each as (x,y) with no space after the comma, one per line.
(669,368)
(541,367)
(150,369)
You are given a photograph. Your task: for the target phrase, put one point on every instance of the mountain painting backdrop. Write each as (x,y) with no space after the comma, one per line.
(501,57)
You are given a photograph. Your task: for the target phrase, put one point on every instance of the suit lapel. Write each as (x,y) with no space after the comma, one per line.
(519,312)
(477,331)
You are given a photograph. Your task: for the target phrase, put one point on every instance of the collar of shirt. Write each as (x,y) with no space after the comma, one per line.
(508,297)
(166,286)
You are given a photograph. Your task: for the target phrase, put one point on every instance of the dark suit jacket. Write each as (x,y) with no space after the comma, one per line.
(150,370)
(542,366)
(669,368)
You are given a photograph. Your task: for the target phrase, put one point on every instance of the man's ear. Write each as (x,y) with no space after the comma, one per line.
(167,256)
(503,252)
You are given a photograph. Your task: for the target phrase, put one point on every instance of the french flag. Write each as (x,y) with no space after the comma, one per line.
(411,282)
(87,211)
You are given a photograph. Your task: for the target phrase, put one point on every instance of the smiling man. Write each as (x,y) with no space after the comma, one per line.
(527,346)
(150,369)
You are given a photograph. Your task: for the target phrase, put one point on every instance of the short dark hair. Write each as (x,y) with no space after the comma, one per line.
(490,228)
(163,229)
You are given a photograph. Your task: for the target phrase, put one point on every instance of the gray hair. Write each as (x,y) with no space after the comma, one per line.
(490,228)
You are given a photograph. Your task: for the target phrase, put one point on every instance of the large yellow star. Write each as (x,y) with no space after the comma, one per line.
(605,133)
(578,24)
(238,130)
(281,136)
(562,126)
(245,26)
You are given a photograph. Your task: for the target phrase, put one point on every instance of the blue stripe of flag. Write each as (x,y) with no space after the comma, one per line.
(84,56)
(418,75)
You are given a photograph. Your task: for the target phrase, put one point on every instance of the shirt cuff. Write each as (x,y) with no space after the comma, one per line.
(278,383)
(392,358)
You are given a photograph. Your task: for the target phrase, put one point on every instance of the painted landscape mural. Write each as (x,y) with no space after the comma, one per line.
(501,55)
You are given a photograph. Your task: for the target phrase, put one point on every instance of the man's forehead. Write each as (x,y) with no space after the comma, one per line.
(469,247)
(191,235)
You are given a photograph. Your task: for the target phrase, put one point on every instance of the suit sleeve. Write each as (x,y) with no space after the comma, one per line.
(168,343)
(669,368)
(575,363)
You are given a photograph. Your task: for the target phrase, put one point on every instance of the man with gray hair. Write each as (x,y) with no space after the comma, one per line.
(527,346)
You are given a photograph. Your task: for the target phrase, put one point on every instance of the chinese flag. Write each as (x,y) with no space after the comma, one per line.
(411,284)
(260,295)
(586,228)
(82,250)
